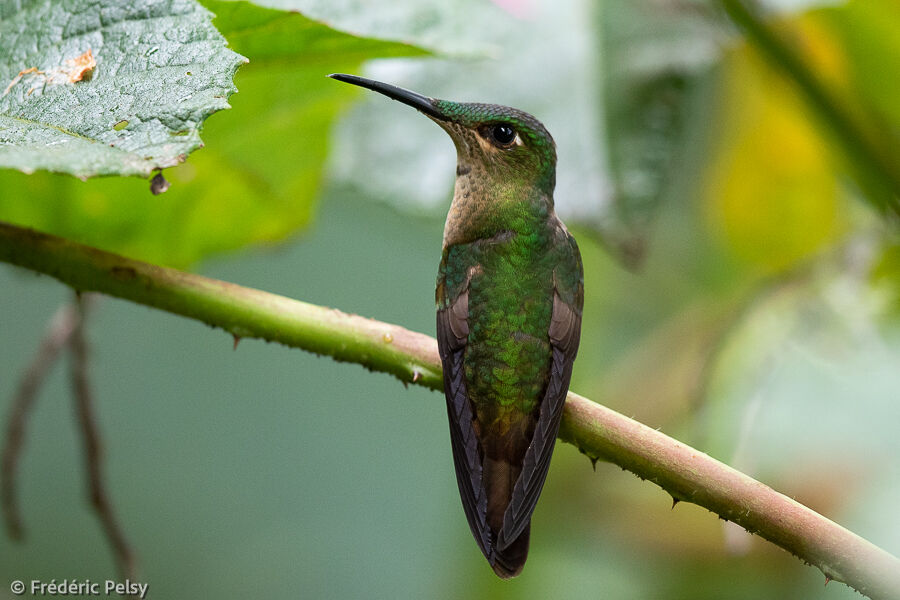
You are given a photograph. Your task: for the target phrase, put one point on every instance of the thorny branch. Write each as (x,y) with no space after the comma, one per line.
(602,434)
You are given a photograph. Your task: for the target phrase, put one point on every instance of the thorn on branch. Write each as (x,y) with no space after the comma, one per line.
(93,452)
(593,459)
(56,337)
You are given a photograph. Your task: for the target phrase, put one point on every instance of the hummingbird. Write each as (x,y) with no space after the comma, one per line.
(509,298)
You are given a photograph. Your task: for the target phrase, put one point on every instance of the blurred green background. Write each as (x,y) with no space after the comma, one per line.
(742,294)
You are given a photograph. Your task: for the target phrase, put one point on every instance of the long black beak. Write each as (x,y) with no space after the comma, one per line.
(418,101)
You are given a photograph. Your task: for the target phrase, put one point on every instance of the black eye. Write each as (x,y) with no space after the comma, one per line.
(504,135)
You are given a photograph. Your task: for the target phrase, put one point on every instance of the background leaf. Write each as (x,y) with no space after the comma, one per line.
(771,170)
(108,88)
(653,60)
(532,56)
(257,178)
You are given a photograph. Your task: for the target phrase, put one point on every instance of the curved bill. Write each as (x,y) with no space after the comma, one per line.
(418,101)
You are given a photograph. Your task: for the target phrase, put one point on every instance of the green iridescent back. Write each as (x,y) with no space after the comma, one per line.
(507,353)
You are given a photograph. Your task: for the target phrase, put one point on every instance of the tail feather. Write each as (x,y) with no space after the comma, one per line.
(509,562)
(499,476)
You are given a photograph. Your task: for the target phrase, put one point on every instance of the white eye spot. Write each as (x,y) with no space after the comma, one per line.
(519,141)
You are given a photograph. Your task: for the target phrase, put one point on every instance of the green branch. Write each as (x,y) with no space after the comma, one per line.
(599,432)
(879,174)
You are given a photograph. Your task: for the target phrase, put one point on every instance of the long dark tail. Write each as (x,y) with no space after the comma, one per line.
(502,468)
(510,562)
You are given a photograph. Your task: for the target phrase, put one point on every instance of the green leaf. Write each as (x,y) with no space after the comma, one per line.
(804,53)
(289,38)
(449,28)
(257,177)
(108,88)
(651,60)
(885,277)
(862,52)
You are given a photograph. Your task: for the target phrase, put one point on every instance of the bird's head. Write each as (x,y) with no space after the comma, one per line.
(494,141)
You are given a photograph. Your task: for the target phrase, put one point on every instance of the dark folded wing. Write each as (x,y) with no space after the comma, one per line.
(452,332)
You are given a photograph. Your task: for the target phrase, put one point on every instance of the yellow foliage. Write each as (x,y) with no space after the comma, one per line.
(770,192)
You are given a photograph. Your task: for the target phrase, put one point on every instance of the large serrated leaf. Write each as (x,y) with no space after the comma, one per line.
(108,88)
(256,179)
